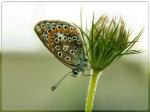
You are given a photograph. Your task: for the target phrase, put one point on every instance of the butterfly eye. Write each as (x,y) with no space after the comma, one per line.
(57,47)
(75,72)
(67,58)
(58,26)
(75,48)
(59,54)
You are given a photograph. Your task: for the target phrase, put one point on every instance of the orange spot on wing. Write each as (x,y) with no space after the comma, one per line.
(50,40)
(74,32)
(60,30)
(55,30)
(66,30)
(50,33)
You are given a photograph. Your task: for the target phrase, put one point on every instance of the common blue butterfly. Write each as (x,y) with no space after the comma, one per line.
(64,41)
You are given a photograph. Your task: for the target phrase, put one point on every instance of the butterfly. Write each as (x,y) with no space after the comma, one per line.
(64,41)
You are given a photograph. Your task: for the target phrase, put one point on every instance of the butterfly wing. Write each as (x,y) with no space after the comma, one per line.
(62,39)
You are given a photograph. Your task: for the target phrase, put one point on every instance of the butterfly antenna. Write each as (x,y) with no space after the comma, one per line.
(58,83)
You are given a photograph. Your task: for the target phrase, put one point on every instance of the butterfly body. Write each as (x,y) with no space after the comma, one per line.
(64,41)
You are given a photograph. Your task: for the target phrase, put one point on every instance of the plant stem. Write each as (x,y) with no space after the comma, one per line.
(92,89)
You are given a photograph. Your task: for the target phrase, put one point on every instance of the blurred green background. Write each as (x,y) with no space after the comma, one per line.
(29,69)
(27,78)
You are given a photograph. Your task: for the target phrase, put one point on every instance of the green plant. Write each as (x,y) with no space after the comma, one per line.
(106,42)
